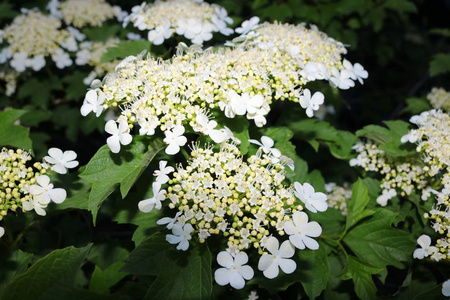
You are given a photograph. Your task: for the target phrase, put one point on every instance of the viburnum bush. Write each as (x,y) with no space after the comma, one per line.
(220,150)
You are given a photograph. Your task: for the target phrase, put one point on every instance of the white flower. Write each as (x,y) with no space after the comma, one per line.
(174,139)
(160,33)
(207,128)
(234,270)
(61,160)
(18,61)
(266,146)
(161,174)
(341,80)
(311,103)
(34,203)
(44,191)
(36,63)
(120,135)
(169,221)
(279,257)
(248,26)
(92,102)
(313,201)
(446,288)
(61,59)
(2,231)
(181,236)
(424,242)
(154,202)
(357,71)
(253,296)
(300,232)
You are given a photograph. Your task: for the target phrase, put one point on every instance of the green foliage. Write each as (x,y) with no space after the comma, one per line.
(180,274)
(51,277)
(440,64)
(125,49)
(11,134)
(106,170)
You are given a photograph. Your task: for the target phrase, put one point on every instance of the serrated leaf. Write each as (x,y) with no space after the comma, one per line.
(124,49)
(375,242)
(106,170)
(395,147)
(440,64)
(376,133)
(416,105)
(319,274)
(361,274)
(102,280)
(13,135)
(356,207)
(51,277)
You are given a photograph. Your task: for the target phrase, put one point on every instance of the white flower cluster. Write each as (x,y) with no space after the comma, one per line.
(318,56)
(33,36)
(90,53)
(439,98)
(81,13)
(219,193)
(28,187)
(433,141)
(194,19)
(10,78)
(337,196)
(241,81)
(400,177)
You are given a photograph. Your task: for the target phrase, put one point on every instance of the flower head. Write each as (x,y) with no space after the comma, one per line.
(311,104)
(313,201)
(300,231)
(175,139)
(154,202)
(426,249)
(279,258)
(181,236)
(120,135)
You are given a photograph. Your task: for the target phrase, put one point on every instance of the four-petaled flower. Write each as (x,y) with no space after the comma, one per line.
(300,232)
(174,139)
(155,202)
(93,102)
(161,174)
(311,103)
(279,257)
(181,236)
(120,135)
(446,288)
(44,191)
(234,270)
(61,160)
(266,146)
(248,25)
(313,201)
(424,242)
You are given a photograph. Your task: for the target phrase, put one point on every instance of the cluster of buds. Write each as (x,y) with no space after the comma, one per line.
(245,201)
(439,98)
(194,19)
(337,196)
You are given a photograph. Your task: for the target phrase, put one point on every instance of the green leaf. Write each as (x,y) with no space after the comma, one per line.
(13,135)
(101,281)
(318,275)
(439,64)
(180,274)
(124,49)
(51,277)
(375,242)
(395,147)
(440,31)
(315,131)
(401,6)
(239,126)
(106,170)
(101,33)
(361,273)
(356,206)
(13,267)
(186,275)
(376,133)
(416,105)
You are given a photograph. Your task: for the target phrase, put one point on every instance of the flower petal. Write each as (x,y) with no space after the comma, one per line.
(272,271)
(265,261)
(113,143)
(57,195)
(225,259)
(222,276)
(287,265)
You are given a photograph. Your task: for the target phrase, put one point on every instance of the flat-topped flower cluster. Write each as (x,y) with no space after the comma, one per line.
(246,201)
(439,98)
(81,13)
(194,19)
(241,80)
(337,196)
(34,36)
(26,186)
